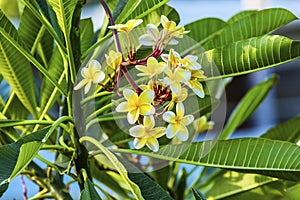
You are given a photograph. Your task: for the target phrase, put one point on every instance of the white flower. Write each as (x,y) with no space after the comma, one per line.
(91,74)
(146,134)
(177,123)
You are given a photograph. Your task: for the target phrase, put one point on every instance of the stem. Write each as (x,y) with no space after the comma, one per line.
(122,68)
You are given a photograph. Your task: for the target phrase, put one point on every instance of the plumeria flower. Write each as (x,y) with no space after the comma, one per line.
(137,105)
(174,79)
(173,59)
(114,59)
(190,62)
(201,124)
(146,134)
(171,28)
(178,98)
(153,36)
(91,74)
(177,123)
(197,87)
(153,68)
(131,24)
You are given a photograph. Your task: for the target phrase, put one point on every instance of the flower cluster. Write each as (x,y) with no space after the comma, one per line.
(169,78)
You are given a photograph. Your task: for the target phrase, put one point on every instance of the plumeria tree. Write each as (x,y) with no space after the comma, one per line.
(136,110)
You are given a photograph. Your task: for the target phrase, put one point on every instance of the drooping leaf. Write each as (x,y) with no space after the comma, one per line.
(14,67)
(89,192)
(252,155)
(287,131)
(257,24)
(86,34)
(19,154)
(248,56)
(247,106)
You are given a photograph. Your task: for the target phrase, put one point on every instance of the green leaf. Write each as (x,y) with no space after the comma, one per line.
(16,105)
(149,188)
(198,195)
(14,67)
(86,34)
(287,131)
(252,155)
(50,93)
(254,25)
(239,16)
(64,11)
(247,106)
(117,164)
(89,192)
(203,28)
(248,56)
(19,154)
(138,9)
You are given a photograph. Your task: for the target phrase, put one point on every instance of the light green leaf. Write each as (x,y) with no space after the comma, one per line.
(287,131)
(239,16)
(14,67)
(86,34)
(254,25)
(89,192)
(64,10)
(247,106)
(138,9)
(117,164)
(252,155)
(248,56)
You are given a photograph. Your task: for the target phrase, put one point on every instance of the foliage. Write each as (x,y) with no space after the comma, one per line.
(132,125)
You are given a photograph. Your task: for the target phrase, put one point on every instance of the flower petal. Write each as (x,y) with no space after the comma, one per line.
(158,132)
(152,144)
(149,122)
(87,87)
(133,116)
(180,110)
(146,109)
(99,77)
(182,75)
(122,107)
(169,117)
(139,143)
(85,72)
(182,133)
(175,87)
(146,96)
(95,65)
(80,84)
(128,93)
(137,131)
(186,120)
(153,31)
(147,40)
(171,131)
(198,89)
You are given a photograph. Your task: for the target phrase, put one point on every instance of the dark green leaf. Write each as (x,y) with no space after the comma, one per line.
(86,34)
(252,155)
(287,131)
(89,192)
(198,195)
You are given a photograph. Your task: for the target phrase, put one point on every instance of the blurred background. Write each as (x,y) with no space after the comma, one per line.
(282,103)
